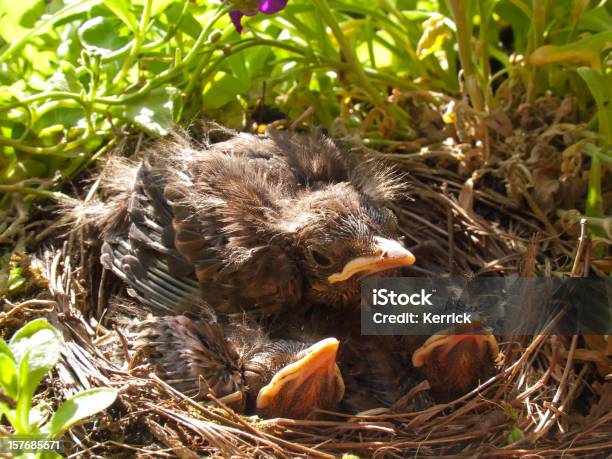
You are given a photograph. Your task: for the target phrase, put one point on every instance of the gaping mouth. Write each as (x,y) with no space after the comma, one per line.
(388,254)
(314,380)
(480,344)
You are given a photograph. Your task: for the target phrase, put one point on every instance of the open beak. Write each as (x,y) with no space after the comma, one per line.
(388,254)
(313,381)
(445,344)
(454,364)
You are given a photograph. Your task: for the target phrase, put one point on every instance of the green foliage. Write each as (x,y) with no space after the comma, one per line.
(77,75)
(31,353)
(15,279)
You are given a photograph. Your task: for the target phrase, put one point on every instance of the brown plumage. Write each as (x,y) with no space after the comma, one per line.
(253,223)
(275,225)
(273,378)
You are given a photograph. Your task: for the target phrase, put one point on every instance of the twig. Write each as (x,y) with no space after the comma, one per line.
(308,112)
(546,421)
(583,245)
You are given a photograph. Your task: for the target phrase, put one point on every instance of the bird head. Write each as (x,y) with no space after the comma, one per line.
(299,378)
(340,237)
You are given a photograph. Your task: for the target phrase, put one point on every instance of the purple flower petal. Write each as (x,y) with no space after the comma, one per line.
(265,6)
(271,6)
(236,17)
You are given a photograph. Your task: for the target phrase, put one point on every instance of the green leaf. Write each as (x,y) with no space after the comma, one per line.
(154,112)
(224,89)
(17,17)
(22,170)
(122,11)
(36,347)
(37,415)
(65,78)
(4,349)
(597,19)
(8,376)
(78,407)
(515,435)
(601,89)
(101,35)
(15,279)
(158,6)
(60,116)
(585,51)
(189,25)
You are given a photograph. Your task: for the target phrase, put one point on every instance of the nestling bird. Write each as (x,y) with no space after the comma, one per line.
(273,378)
(264,223)
(455,363)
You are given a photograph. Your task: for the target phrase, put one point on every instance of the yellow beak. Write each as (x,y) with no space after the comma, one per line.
(388,254)
(313,381)
(480,345)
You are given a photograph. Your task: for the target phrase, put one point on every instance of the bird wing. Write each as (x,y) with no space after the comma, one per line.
(194,356)
(199,220)
(224,205)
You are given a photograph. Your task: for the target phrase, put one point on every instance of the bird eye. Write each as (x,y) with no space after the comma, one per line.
(320,259)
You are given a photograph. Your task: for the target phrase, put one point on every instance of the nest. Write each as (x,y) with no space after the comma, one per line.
(550,396)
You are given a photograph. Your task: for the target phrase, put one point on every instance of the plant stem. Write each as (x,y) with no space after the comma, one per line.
(138,39)
(347,51)
(484,53)
(363,81)
(537,26)
(464,42)
(56,195)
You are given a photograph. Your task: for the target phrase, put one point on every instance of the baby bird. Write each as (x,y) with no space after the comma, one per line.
(272,378)
(264,223)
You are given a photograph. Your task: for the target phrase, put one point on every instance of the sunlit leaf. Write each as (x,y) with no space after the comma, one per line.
(222,90)
(8,376)
(36,347)
(79,407)
(99,35)
(121,8)
(16,17)
(189,25)
(154,113)
(4,349)
(584,51)
(65,78)
(158,6)
(15,279)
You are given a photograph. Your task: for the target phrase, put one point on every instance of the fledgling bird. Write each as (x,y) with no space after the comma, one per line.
(261,222)
(455,363)
(273,378)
